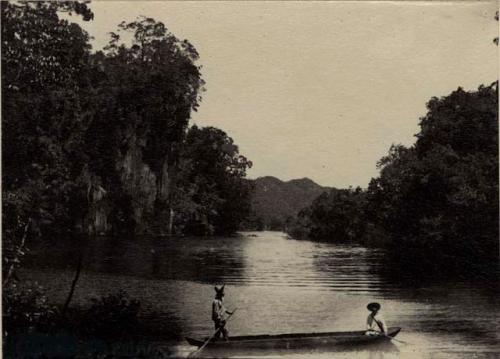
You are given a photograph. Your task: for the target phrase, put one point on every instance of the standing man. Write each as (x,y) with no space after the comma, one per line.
(219,313)
(375,323)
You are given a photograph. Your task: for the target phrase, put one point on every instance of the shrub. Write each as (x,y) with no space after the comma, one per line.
(27,309)
(112,316)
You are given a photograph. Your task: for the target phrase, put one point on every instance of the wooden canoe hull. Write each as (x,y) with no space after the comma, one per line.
(296,340)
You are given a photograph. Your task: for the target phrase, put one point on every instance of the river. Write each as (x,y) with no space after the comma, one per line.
(279,285)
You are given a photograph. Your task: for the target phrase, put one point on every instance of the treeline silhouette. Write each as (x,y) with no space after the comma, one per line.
(434,205)
(99,142)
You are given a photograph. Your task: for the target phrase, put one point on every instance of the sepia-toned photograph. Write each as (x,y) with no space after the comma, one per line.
(250,179)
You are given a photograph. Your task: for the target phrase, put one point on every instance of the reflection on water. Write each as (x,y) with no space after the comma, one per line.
(279,285)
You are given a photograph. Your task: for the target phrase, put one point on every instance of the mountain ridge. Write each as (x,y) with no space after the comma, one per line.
(275,201)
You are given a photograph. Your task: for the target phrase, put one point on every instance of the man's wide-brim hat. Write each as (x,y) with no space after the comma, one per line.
(373,306)
(219,291)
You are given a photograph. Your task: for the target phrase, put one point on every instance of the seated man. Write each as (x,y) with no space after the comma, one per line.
(375,323)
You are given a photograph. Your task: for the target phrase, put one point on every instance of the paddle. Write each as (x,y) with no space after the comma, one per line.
(397,340)
(392,338)
(213,335)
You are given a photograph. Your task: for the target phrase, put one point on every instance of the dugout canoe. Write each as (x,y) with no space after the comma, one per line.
(296,340)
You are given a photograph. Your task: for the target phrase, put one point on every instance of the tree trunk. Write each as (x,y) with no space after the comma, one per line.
(73,285)
(18,254)
(171,222)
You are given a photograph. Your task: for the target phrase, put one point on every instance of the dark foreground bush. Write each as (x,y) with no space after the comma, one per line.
(110,327)
(112,316)
(27,309)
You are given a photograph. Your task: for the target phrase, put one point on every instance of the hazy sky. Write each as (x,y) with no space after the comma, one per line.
(322,89)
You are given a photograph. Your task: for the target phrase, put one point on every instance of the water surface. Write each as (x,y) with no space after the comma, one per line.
(279,285)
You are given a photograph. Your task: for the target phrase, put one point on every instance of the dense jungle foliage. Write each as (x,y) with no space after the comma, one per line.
(81,126)
(98,142)
(434,204)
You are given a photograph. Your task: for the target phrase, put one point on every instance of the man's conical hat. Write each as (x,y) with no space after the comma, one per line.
(219,291)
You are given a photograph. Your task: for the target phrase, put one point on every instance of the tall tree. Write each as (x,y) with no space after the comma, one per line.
(43,78)
(213,179)
(439,198)
(146,93)
(44,82)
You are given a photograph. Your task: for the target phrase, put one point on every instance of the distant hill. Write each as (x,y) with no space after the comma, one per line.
(274,201)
